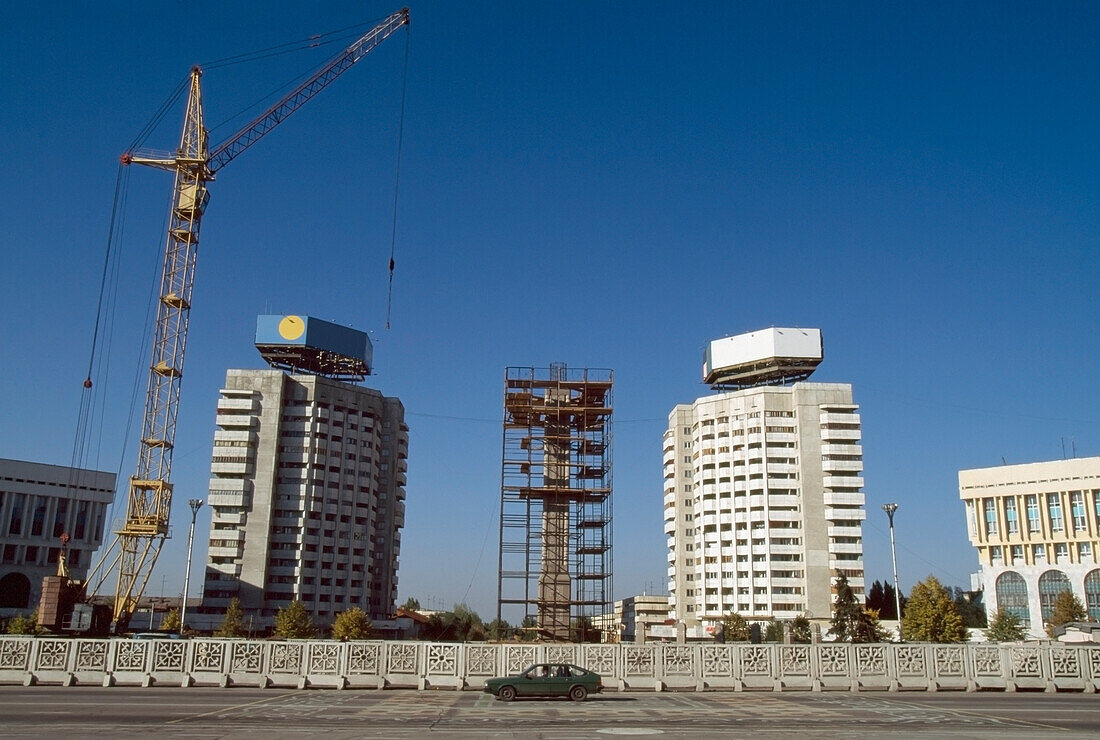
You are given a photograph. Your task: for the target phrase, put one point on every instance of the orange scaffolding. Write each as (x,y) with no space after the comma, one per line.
(555,504)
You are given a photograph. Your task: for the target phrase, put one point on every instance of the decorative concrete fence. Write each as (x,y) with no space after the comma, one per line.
(653,667)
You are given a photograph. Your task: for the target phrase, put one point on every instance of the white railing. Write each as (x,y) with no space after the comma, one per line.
(654,666)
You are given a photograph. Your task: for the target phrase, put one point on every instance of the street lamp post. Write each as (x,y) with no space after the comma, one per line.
(195,505)
(890,509)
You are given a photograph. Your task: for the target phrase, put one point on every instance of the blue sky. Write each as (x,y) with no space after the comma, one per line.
(602,184)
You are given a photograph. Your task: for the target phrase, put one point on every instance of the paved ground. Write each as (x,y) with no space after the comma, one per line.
(59,712)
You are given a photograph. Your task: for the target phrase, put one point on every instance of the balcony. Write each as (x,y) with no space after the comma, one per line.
(835,449)
(845,531)
(832,514)
(852,466)
(833,418)
(844,499)
(846,548)
(842,481)
(225,552)
(231,468)
(239,405)
(228,499)
(840,435)
(235,421)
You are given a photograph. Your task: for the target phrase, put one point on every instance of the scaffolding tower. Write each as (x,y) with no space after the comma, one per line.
(555,501)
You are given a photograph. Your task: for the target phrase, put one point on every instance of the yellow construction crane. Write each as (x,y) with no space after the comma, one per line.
(138,542)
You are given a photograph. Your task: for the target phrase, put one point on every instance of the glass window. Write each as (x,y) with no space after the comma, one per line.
(1012,524)
(1054,508)
(1084,551)
(995,552)
(1092,595)
(990,517)
(1051,584)
(15,525)
(1061,552)
(1032,513)
(1038,553)
(1077,507)
(1017,553)
(1012,596)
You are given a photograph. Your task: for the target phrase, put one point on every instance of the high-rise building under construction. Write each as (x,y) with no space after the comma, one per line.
(555,507)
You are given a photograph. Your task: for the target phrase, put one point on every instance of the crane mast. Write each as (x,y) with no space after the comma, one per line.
(148,507)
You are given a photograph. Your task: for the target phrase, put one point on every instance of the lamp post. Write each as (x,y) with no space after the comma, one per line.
(195,505)
(890,509)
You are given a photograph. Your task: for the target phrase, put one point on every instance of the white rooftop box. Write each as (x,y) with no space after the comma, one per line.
(764,357)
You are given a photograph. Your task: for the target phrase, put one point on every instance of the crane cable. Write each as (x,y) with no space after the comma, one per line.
(397,176)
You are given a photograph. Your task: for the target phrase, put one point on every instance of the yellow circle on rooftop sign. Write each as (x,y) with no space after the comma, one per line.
(291,327)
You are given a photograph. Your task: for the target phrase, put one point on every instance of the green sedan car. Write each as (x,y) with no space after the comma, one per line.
(547,679)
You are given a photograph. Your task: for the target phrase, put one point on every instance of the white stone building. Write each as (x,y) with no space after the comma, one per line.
(763,497)
(1037,528)
(308,496)
(38,503)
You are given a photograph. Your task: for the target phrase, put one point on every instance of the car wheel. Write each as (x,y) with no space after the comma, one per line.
(506,693)
(578,693)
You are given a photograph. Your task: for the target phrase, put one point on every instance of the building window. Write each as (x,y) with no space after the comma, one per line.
(995,553)
(1038,553)
(1084,551)
(1051,584)
(1012,596)
(1092,595)
(1061,552)
(1032,513)
(1054,508)
(15,525)
(1017,553)
(1077,507)
(990,517)
(1012,524)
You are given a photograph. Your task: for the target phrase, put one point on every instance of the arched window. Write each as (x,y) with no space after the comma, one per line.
(1012,596)
(15,591)
(1051,583)
(1092,595)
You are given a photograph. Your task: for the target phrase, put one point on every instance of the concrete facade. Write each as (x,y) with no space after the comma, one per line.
(1037,529)
(763,502)
(38,503)
(638,614)
(308,496)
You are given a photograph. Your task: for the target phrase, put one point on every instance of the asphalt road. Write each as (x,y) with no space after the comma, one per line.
(59,712)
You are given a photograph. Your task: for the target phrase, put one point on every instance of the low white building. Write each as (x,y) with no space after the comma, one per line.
(1037,528)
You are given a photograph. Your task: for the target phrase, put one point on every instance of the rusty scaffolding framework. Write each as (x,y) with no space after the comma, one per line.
(555,505)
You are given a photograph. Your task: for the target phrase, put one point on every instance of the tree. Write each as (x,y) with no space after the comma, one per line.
(846,611)
(25,625)
(735,628)
(970,607)
(868,628)
(801,632)
(931,616)
(1004,626)
(353,624)
(529,629)
(233,624)
(774,631)
(411,605)
(1066,608)
(499,629)
(171,621)
(293,621)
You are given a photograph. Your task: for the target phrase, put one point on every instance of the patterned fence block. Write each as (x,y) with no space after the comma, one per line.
(949,661)
(91,656)
(246,657)
(52,655)
(481,660)
(401,657)
(639,661)
(208,656)
(326,658)
(442,659)
(130,656)
(718,661)
(169,656)
(364,658)
(286,658)
(678,660)
(561,654)
(1026,662)
(794,660)
(601,658)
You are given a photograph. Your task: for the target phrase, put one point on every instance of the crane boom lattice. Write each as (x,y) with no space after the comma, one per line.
(149,503)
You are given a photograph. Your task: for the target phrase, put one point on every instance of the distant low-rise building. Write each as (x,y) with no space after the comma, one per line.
(638,614)
(1036,528)
(39,503)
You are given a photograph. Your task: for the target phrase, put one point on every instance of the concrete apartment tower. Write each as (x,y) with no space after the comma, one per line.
(307,481)
(763,495)
(1037,529)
